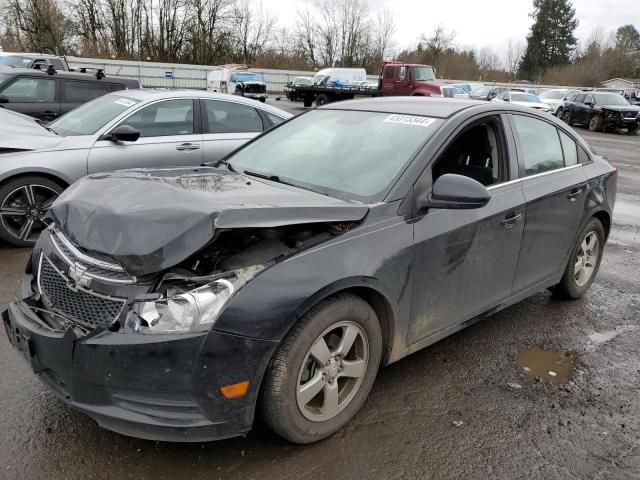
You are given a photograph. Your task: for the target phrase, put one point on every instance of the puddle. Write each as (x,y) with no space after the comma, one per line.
(551,367)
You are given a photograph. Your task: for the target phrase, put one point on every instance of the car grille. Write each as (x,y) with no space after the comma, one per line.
(80,305)
(255,88)
(92,267)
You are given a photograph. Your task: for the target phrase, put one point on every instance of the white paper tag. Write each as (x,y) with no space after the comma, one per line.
(410,120)
(125,102)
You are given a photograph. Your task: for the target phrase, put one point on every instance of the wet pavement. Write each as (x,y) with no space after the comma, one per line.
(450,411)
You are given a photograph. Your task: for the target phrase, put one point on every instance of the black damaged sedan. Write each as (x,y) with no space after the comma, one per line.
(177,304)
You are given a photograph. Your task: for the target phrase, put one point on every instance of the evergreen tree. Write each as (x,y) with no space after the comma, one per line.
(551,41)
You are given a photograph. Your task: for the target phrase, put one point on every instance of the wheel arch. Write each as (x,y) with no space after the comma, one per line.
(372,292)
(605,219)
(59,179)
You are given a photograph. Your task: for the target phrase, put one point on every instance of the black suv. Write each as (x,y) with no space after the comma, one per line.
(602,111)
(45,93)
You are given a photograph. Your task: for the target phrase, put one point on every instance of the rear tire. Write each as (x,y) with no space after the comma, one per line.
(30,198)
(323,371)
(322,99)
(595,123)
(584,262)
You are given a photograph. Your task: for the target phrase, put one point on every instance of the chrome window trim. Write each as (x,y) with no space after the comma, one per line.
(537,175)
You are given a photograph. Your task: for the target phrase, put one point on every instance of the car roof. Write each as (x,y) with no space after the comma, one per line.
(150,94)
(64,74)
(429,106)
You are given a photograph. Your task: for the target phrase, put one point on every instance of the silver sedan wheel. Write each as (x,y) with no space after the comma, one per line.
(22,211)
(587,259)
(332,372)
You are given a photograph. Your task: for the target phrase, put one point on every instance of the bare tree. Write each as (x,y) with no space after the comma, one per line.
(439,41)
(253,29)
(385,29)
(515,50)
(488,60)
(38,25)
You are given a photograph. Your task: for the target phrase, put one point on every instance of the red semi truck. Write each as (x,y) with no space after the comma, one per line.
(395,78)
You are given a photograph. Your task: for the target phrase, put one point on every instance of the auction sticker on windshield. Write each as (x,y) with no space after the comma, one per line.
(410,120)
(125,102)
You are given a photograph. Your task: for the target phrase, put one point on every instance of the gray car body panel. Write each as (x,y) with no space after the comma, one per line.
(66,158)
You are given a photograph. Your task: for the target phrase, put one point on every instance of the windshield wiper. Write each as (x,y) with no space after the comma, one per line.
(217,163)
(276,178)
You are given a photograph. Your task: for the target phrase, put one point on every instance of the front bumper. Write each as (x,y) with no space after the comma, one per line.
(157,387)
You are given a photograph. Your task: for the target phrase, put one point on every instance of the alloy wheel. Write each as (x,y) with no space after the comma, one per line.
(22,211)
(587,259)
(332,372)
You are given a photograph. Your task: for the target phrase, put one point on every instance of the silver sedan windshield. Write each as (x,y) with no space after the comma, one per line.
(87,119)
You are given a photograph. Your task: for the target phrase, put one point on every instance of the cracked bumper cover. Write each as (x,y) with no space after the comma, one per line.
(158,387)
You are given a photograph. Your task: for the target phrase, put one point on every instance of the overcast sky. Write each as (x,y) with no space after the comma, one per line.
(480,23)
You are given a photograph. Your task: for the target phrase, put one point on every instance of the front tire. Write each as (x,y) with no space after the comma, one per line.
(559,112)
(584,262)
(323,370)
(595,124)
(566,118)
(24,202)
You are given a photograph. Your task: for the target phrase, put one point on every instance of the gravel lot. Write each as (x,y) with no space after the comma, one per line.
(446,412)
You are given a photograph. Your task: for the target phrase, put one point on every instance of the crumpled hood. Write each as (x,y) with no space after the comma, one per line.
(623,109)
(23,132)
(149,220)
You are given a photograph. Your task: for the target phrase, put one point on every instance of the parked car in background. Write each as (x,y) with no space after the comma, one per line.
(619,91)
(602,111)
(290,92)
(136,128)
(555,98)
(33,60)
(237,80)
(632,95)
(523,99)
(487,92)
(277,283)
(453,91)
(47,94)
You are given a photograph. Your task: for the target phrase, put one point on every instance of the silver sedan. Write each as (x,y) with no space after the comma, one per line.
(126,129)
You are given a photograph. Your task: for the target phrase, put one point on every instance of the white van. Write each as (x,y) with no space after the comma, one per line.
(338,76)
(237,79)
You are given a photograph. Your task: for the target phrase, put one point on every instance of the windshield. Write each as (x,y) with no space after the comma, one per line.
(523,97)
(482,91)
(423,74)
(247,77)
(610,99)
(15,61)
(347,154)
(87,119)
(553,94)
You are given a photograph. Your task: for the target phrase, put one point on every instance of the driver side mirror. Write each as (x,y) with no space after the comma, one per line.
(123,133)
(451,191)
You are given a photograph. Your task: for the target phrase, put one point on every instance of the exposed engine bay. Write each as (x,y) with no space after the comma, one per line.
(85,290)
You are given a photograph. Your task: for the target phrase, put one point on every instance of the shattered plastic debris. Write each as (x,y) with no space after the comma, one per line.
(457,423)
(515,386)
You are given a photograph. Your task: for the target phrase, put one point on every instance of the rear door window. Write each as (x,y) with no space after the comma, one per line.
(81,92)
(539,145)
(31,90)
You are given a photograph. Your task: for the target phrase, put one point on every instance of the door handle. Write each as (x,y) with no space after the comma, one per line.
(575,193)
(510,220)
(187,146)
